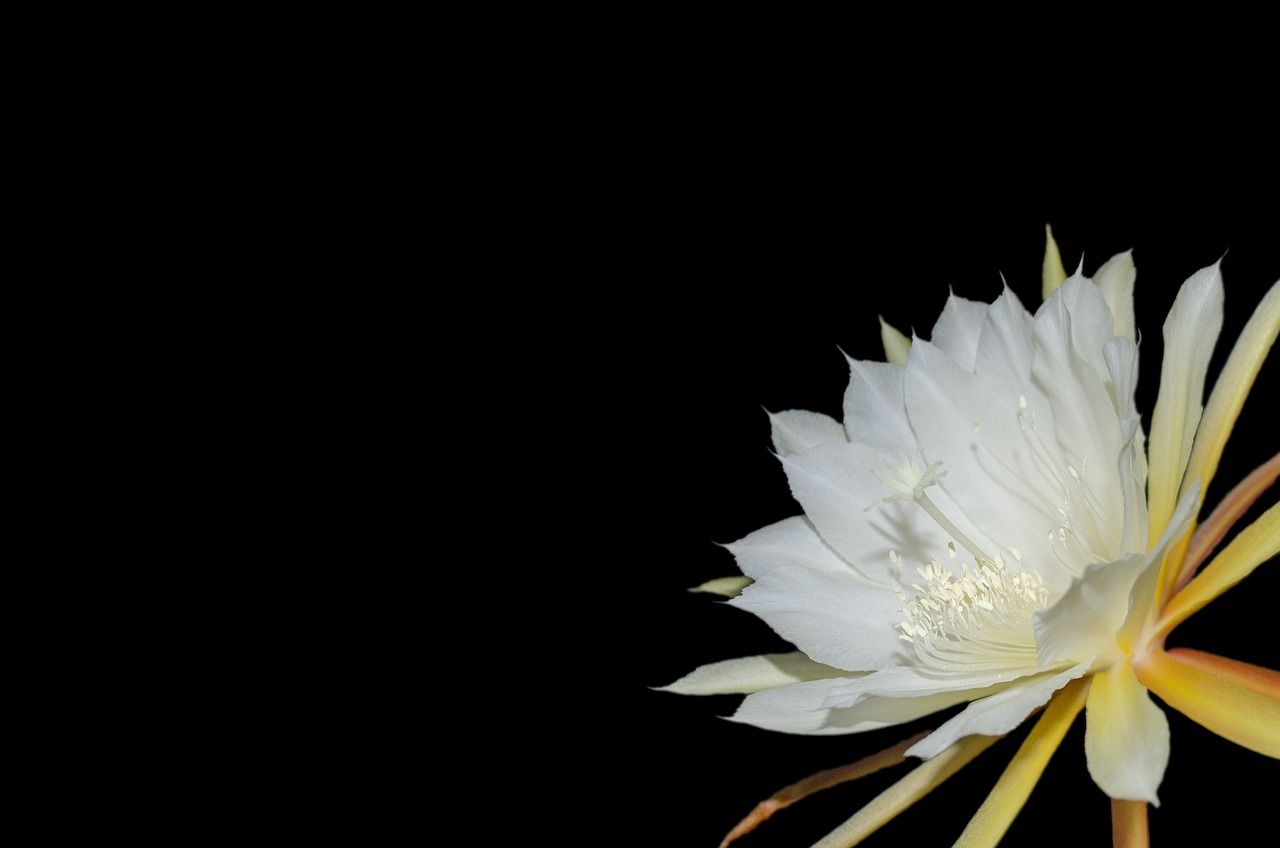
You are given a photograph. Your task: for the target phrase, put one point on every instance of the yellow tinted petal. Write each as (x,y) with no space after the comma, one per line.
(896,345)
(1052,274)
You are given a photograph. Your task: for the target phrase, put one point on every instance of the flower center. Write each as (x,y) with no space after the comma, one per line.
(979,619)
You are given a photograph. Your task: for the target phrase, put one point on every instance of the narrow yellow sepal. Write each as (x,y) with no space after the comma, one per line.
(1264,681)
(1053,274)
(905,792)
(1230,710)
(1251,547)
(1231,389)
(896,345)
(1220,414)
(729,587)
(995,815)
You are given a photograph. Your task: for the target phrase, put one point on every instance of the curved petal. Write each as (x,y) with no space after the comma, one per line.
(1115,279)
(797,430)
(813,599)
(1107,599)
(1126,739)
(751,674)
(1190,332)
(999,713)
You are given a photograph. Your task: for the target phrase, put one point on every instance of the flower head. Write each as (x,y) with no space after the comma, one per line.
(990,525)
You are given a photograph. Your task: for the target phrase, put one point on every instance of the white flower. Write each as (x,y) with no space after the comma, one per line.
(988,526)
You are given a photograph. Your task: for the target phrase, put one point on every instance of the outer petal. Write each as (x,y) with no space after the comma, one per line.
(1190,332)
(806,593)
(729,587)
(998,713)
(1115,279)
(1126,736)
(1227,708)
(1052,274)
(1233,387)
(1254,545)
(801,708)
(798,430)
(751,674)
(896,345)
(910,682)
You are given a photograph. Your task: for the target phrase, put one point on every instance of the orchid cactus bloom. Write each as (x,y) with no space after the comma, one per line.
(991,526)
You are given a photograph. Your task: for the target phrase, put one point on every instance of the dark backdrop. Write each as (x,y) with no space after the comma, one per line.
(739,288)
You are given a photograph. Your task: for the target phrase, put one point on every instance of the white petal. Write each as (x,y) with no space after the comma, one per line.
(875,413)
(992,475)
(836,484)
(1115,279)
(1190,332)
(1085,620)
(998,713)
(810,597)
(797,430)
(1121,356)
(751,674)
(958,328)
(799,709)
(1126,737)
(908,682)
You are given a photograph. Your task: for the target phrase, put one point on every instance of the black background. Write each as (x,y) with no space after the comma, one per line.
(742,284)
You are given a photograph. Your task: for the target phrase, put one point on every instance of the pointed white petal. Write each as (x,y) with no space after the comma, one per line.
(1126,737)
(812,598)
(1115,279)
(998,713)
(875,413)
(958,328)
(797,430)
(1190,332)
(751,674)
